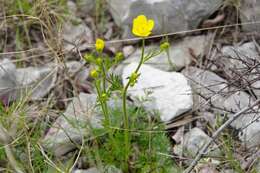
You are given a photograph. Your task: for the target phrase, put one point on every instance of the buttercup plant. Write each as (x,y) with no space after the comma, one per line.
(105,85)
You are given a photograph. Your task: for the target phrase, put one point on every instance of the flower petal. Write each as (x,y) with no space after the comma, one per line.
(150,25)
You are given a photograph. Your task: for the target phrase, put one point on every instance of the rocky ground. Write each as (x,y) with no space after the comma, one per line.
(212,72)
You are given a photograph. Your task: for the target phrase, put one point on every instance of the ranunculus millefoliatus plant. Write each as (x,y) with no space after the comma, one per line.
(106,84)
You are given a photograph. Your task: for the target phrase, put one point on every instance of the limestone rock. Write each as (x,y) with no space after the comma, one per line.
(169,92)
(73,125)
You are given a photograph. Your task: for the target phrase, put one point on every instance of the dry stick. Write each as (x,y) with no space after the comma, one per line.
(216,134)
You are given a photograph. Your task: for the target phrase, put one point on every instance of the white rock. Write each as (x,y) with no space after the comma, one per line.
(169,15)
(73,125)
(128,50)
(170,92)
(205,84)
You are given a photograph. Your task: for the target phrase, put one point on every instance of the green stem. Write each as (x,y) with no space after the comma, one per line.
(104,77)
(124,95)
(102,104)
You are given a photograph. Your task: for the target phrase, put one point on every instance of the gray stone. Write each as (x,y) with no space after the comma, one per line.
(226,100)
(72,7)
(234,102)
(256,88)
(205,82)
(73,125)
(238,57)
(36,82)
(167,92)
(169,15)
(128,50)
(8,83)
(239,62)
(192,142)
(250,12)
(207,86)
(76,35)
(86,6)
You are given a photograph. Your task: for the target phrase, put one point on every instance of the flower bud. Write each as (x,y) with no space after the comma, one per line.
(119,56)
(94,73)
(165,46)
(99,61)
(100,44)
(88,57)
(133,78)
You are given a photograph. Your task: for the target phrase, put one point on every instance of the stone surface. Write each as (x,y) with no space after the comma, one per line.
(76,35)
(192,142)
(86,6)
(239,62)
(170,93)
(250,12)
(236,58)
(249,129)
(37,82)
(73,125)
(8,83)
(207,86)
(169,15)
(256,88)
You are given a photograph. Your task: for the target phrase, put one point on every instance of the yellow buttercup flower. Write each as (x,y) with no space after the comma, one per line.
(142,27)
(100,44)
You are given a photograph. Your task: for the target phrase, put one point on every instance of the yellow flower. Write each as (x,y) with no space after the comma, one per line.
(94,73)
(142,27)
(100,44)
